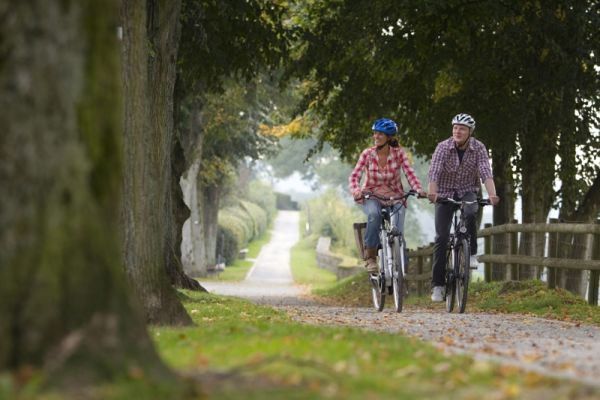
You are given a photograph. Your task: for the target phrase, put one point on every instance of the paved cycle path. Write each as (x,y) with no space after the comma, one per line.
(270,280)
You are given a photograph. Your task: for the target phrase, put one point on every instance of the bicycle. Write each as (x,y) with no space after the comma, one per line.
(458,271)
(392,256)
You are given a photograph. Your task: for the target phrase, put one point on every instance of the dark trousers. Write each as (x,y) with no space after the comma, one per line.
(443,222)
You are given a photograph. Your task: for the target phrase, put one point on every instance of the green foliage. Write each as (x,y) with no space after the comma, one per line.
(262,194)
(238,225)
(224,39)
(329,215)
(232,235)
(259,217)
(527,72)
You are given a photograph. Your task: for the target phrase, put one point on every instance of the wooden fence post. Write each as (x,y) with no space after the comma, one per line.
(594,275)
(552,252)
(420,271)
(487,248)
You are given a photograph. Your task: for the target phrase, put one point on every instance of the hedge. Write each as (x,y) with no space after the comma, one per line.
(238,225)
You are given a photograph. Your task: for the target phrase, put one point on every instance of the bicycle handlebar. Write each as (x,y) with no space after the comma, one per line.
(481,202)
(368,195)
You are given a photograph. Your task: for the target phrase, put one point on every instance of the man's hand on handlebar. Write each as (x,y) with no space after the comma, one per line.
(432,197)
(494,200)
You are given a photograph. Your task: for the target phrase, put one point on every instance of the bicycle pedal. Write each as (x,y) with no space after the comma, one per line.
(473,268)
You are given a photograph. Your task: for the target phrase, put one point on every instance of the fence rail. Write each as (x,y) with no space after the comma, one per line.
(512,248)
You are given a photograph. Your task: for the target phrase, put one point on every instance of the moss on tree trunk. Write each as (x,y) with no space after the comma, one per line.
(150,39)
(64,302)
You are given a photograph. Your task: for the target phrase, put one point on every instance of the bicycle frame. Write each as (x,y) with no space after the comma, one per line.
(387,233)
(392,257)
(457,282)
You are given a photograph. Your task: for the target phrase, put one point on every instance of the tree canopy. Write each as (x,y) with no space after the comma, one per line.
(526,71)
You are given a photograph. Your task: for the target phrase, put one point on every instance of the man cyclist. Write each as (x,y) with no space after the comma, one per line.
(456,167)
(382,164)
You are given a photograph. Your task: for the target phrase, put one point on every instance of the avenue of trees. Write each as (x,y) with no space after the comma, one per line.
(108,103)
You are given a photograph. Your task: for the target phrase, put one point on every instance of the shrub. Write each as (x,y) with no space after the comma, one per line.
(329,215)
(261,194)
(238,225)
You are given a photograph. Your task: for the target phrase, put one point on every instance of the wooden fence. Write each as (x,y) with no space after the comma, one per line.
(516,251)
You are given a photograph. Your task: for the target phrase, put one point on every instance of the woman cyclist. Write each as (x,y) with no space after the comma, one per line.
(382,164)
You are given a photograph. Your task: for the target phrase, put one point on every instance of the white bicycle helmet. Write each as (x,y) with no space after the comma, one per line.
(464,119)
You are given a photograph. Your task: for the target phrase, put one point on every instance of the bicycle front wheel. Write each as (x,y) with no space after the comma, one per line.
(463,274)
(398,273)
(450,281)
(378,285)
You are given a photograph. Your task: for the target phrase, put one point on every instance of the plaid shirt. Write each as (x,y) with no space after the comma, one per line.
(388,176)
(457,177)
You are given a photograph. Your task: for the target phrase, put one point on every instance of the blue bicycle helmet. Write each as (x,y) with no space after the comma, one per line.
(385,125)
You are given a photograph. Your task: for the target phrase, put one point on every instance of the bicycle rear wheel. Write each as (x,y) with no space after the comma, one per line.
(398,273)
(450,281)
(463,274)
(378,285)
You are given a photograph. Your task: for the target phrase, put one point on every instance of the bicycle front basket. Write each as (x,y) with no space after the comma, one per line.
(359,235)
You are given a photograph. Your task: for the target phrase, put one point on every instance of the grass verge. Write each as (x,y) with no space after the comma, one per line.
(238,350)
(247,351)
(303,262)
(523,297)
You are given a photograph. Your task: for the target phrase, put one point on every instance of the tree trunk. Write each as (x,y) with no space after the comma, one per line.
(190,139)
(504,211)
(65,303)
(180,213)
(211,224)
(573,280)
(537,161)
(150,38)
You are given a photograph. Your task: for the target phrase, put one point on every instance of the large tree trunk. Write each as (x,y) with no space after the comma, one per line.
(537,194)
(504,211)
(150,38)
(576,281)
(64,302)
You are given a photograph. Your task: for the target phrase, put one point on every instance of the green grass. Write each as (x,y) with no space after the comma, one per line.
(354,291)
(303,262)
(260,353)
(238,350)
(532,297)
(232,273)
(523,297)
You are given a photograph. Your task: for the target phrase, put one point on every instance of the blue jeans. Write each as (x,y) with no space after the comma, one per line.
(372,208)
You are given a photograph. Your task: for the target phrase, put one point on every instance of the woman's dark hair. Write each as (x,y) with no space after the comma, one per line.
(393,142)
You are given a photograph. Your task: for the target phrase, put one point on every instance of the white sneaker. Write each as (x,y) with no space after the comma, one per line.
(438,294)
(473,263)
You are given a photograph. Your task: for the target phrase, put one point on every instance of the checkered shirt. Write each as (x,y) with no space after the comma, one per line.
(389,176)
(453,176)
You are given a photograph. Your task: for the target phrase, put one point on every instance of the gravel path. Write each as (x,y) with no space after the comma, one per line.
(553,348)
